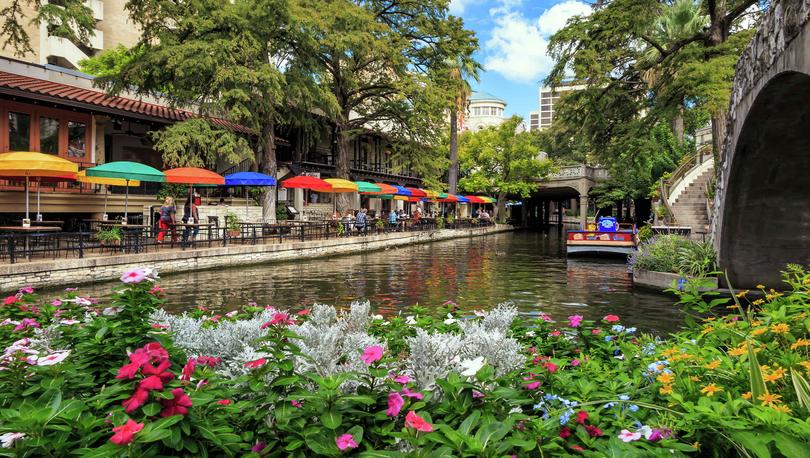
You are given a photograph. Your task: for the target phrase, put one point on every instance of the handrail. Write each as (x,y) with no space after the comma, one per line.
(689,162)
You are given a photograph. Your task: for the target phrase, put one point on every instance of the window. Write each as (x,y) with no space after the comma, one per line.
(19,131)
(77,138)
(545,94)
(49,135)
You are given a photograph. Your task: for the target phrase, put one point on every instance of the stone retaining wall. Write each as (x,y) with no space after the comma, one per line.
(73,271)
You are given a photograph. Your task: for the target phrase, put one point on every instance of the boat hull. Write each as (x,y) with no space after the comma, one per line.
(599,250)
(612,243)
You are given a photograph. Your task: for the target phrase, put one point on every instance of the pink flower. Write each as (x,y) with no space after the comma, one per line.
(53,358)
(138,399)
(596,331)
(412,420)
(156,290)
(477,394)
(304,312)
(627,436)
(611,318)
(575,362)
(532,385)
(412,394)
(178,405)
(574,321)
(345,442)
(258,447)
(159,326)
(554,333)
(371,354)
(188,369)
(256,363)
(546,318)
(209,361)
(26,290)
(395,403)
(297,404)
(551,367)
(593,430)
(581,417)
(224,402)
(133,276)
(56,303)
(153,382)
(403,379)
(26,323)
(125,433)
(565,432)
(137,360)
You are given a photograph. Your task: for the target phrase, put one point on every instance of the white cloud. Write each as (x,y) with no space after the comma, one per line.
(458,6)
(517,48)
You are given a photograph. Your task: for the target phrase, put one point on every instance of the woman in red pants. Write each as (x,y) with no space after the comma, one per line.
(167,220)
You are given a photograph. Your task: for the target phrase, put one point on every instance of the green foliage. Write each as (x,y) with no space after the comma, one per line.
(281,214)
(500,160)
(232,221)
(645,234)
(110,62)
(178,192)
(675,254)
(70,19)
(197,142)
(108,236)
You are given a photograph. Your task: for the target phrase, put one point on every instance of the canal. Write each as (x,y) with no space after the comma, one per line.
(527,268)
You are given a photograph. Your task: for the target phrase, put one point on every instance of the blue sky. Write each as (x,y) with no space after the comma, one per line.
(513,37)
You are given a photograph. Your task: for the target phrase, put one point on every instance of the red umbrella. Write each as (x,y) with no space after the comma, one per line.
(449,198)
(476,200)
(193,175)
(416,192)
(307,182)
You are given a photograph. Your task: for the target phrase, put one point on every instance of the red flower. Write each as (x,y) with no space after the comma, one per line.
(593,431)
(138,399)
(153,382)
(178,405)
(137,360)
(581,417)
(554,333)
(160,371)
(188,369)
(209,361)
(551,367)
(565,432)
(126,432)
(224,402)
(156,351)
(577,448)
(611,318)
(412,420)
(256,363)
(10,300)
(304,312)
(595,331)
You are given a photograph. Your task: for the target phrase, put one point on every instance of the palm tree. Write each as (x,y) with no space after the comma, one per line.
(679,20)
(461,70)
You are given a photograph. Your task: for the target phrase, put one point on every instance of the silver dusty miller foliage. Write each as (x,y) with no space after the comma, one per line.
(435,355)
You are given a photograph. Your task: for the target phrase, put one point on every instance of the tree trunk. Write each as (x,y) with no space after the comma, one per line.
(500,207)
(268,167)
(342,161)
(677,126)
(452,176)
(718,136)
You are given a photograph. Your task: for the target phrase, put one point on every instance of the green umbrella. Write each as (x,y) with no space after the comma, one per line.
(127,171)
(365,186)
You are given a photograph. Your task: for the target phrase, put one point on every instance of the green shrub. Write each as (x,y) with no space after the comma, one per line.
(675,254)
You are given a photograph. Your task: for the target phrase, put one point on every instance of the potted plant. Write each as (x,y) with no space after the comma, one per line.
(380,225)
(232,225)
(439,223)
(450,220)
(109,237)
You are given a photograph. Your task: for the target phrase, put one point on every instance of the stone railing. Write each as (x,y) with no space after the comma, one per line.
(572,172)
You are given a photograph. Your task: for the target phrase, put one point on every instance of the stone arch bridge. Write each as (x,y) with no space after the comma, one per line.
(570,182)
(762,204)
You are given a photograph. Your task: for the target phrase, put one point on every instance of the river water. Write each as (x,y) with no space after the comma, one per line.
(527,268)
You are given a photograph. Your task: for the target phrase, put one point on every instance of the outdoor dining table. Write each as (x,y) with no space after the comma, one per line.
(48,223)
(28,231)
(193,241)
(128,228)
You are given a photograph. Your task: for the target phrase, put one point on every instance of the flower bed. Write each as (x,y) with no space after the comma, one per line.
(125,379)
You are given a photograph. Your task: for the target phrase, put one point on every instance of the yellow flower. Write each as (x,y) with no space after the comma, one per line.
(713,365)
(669,352)
(774,376)
(800,343)
(806,366)
(769,399)
(758,302)
(742,294)
(781,408)
(739,351)
(756,323)
(710,389)
(781,328)
(760,286)
(759,331)
(666,377)
(746,395)
(694,378)
(711,318)
(706,330)
(666,389)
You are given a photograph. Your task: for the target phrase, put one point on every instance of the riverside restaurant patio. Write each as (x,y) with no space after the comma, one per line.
(39,239)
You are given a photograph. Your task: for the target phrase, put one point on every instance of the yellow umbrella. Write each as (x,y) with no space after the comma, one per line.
(83,178)
(341,185)
(36,165)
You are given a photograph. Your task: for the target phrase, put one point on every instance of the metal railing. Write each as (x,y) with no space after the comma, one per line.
(20,247)
(689,162)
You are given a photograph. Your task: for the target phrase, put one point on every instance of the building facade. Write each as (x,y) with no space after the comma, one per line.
(547,97)
(484,110)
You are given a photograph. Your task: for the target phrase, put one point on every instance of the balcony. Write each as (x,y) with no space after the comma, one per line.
(63,48)
(98,8)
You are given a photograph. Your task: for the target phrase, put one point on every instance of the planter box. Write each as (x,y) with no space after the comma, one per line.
(662,280)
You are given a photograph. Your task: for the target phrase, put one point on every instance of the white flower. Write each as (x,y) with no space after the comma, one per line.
(53,358)
(410,320)
(232,314)
(83,301)
(479,312)
(69,322)
(151,274)
(646,431)
(450,321)
(111,311)
(9,321)
(470,367)
(530,334)
(377,317)
(627,436)
(516,410)
(8,439)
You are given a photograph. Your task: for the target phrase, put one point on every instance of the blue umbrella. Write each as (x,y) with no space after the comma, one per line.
(462,199)
(402,191)
(249,179)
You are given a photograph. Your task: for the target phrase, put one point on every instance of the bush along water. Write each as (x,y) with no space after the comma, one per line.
(78,378)
(674,254)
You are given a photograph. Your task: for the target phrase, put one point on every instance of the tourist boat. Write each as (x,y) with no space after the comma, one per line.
(607,237)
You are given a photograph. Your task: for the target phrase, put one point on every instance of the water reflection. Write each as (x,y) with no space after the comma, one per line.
(527,268)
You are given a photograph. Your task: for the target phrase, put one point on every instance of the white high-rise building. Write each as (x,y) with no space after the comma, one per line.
(485,110)
(548,96)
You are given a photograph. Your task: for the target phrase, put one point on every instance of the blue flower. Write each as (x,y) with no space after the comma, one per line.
(551,397)
(648,349)
(617,328)
(538,406)
(681,284)
(624,397)
(608,405)
(632,408)
(630,330)
(565,417)
(608,338)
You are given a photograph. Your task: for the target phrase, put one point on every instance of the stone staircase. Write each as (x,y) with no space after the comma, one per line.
(687,199)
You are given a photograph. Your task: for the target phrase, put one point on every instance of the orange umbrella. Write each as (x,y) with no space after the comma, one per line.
(384,189)
(192,176)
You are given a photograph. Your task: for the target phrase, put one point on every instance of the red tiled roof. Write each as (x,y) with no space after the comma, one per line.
(98,98)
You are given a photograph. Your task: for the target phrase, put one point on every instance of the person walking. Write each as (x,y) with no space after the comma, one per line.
(392,220)
(190,216)
(360,221)
(167,220)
